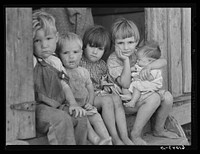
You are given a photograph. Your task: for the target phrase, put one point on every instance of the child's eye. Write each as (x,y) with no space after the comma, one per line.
(49,38)
(65,52)
(36,41)
(119,42)
(101,48)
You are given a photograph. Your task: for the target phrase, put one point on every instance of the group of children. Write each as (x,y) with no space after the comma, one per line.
(75,103)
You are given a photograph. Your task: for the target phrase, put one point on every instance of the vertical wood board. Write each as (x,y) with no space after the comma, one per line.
(156,29)
(174,48)
(19,73)
(186,48)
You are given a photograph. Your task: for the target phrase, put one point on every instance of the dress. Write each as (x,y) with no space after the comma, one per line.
(146,86)
(97,70)
(79,78)
(115,67)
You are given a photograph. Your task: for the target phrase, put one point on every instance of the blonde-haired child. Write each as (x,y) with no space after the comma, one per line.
(126,37)
(51,94)
(70,53)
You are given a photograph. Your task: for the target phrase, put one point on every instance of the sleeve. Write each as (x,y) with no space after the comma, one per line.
(114,67)
(158,80)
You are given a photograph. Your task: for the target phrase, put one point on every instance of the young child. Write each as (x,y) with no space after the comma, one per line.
(70,52)
(96,41)
(125,36)
(51,96)
(145,55)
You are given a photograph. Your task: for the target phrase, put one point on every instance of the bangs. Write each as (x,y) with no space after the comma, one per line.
(125,32)
(97,40)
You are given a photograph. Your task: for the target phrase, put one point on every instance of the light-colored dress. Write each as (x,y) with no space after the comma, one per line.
(79,78)
(146,86)
(115,67)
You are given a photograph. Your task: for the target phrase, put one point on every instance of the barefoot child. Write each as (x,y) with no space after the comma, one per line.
(125,36)
(70,52)
(96,41)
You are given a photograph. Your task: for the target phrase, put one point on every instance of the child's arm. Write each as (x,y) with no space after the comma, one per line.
(70,98)
(90,89)
(145,72)
(125,78)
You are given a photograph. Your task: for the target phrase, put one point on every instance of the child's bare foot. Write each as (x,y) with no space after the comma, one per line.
(107,141)
(117,142)
(127,141)
(165,133)
(138,141)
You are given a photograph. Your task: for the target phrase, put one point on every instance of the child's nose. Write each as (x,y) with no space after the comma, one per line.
(44,44)
(95,50)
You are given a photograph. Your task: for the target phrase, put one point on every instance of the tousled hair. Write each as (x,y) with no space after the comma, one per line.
(43,20)
(67,38)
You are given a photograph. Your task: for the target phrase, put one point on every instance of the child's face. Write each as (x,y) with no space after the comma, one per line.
(71,54)
(143,60)
(44,45)
(127,45)
(93,53)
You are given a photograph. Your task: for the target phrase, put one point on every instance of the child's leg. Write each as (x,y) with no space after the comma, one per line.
(134,99)
(92,135)
(105,105)
(121,120)
(144,113)
(99,126)
(161,115)
(80,129)
(56,123)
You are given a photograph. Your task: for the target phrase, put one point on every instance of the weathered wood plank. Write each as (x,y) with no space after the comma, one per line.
(186,48)
(174,49)
(156,29)
(19,73)
(182,113)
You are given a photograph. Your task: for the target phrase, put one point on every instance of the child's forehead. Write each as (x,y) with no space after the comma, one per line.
(45,32)
(72,44)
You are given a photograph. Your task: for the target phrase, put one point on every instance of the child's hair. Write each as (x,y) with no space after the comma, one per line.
(43,20)
(123,28)
(151,49)
(66,38)
(97,36)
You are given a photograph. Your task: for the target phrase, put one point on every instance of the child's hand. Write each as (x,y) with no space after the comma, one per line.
(145,74)
(88,106)
(129,104)
(79,111)
(120,54)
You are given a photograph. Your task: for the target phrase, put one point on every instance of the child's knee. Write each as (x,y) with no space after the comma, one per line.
(168,98)
(117,101)
(156,99)
(82,120)
(107,101)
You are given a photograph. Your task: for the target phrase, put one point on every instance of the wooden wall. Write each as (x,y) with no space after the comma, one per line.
(171,27)
(19,73)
